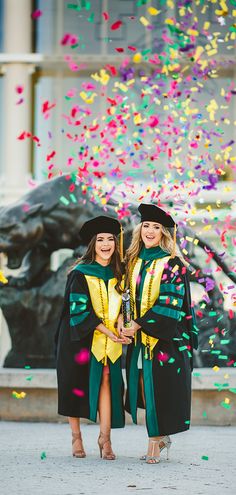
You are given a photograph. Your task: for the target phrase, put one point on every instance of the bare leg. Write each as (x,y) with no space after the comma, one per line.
(104,408)
(77,443)
(74,424)
(142,389)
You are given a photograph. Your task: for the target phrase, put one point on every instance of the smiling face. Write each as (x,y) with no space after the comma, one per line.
(151,233)
(104,248)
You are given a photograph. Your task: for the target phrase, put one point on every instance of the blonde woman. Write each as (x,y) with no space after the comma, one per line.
(89,348)
(159,361)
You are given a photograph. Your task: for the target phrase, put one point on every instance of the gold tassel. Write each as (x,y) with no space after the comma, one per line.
(173,254)
(121,243)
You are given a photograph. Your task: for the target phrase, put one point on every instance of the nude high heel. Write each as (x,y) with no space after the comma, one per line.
(77,446)
(104,444)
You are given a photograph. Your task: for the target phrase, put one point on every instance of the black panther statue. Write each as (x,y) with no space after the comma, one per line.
(49,218)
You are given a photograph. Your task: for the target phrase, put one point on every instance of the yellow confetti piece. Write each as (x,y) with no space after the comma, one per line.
(169,21)
(185,251)
(103,78)
(121,86)
(137,58)
(227,400)
(18,395)
(153,11)
(175,268)
(206,25)
(196,241)
(207,227)
(138,119)
(88,99)
(144,21)
(216,368)
(170,4)
(3,279)
(192,32)
(212,52)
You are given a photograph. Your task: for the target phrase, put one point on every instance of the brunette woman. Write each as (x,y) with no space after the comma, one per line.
(89,348)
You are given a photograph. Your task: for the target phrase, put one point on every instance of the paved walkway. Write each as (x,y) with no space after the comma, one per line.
(35,459)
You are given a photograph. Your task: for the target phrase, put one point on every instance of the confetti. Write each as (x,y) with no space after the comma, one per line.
(116,25)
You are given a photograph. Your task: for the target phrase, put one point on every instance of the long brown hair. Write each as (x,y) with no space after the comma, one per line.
(166,243)
(90,256)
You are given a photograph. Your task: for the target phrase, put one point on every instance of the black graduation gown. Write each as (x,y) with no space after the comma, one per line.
(79,374)
(167,376)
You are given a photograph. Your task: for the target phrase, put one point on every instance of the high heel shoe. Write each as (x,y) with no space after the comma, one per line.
(104,444)
(153,459)
(77,446)
(166,444)
(166,441)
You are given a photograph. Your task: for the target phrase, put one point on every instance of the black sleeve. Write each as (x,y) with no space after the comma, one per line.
(161,320)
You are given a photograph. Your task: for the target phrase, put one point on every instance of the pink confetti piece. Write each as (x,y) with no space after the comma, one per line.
(106,16)
(82,357)
(36,14)
(78,392)
(19,89)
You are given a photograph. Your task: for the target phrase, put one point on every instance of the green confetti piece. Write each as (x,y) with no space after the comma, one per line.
(225,341)
(91,18)
(73,6)
(64,201)
(204,414)
(205,457)
(187,422)
(182,348)
(178,370)
(222,357)
(185,335)
(171,360)
(29,378)
(27,367)
(226,406)
(196,374)
(43,455)
(233,390)
(151,321)
(212,313)
(73,198)
(220,318)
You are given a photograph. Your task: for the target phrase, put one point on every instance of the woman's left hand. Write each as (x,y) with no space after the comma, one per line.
(131,330)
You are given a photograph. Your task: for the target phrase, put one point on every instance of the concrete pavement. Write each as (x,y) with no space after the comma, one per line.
(35,459)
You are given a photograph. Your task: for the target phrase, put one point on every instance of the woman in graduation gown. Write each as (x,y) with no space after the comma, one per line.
(89,348)
(159,361)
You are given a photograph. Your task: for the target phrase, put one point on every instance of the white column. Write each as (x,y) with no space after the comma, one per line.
(17,40)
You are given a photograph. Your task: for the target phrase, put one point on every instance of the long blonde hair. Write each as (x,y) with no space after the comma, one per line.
(166,243)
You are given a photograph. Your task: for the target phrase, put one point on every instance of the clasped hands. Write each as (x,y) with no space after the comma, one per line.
(127,331)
